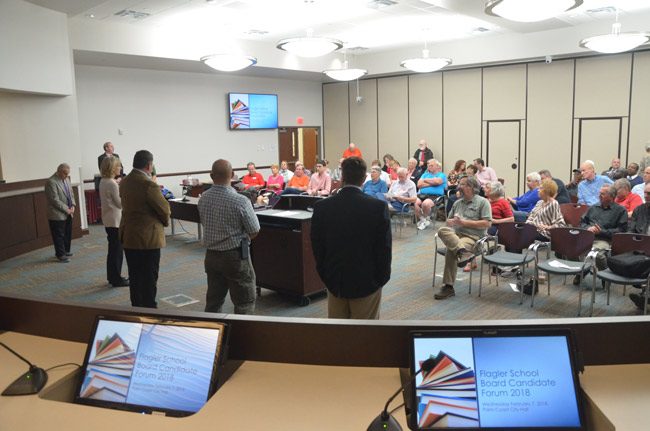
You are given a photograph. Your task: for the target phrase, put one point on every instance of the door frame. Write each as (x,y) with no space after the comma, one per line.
(319,140)
(487,146)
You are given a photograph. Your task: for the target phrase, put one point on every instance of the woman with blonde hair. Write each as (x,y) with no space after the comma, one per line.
(109,196)
(546,214)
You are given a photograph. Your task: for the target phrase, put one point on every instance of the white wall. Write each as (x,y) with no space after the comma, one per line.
(181,117)
(35,53)
(37,131)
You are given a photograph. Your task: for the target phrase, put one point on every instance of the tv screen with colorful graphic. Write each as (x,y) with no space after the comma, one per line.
(506,380)
(148,365)
(253,111)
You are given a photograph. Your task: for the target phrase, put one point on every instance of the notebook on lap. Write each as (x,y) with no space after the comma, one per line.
(515,379)
(151,365)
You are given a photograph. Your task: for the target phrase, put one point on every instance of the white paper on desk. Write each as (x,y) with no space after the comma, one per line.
(557,264)
(177,200)
(287,213)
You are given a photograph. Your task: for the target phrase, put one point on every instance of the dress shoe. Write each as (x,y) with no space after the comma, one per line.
(122,283)
(446,291)
(63,259)
(69,254)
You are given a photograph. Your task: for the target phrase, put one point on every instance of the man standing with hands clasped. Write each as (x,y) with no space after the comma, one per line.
(351,240)
(60,210)
(229,224)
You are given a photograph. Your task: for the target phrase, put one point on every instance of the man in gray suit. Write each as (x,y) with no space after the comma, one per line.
(60,210)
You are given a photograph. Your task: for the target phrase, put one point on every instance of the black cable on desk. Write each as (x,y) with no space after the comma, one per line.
(63,365)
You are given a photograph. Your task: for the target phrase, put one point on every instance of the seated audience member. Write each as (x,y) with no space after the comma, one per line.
(431,186)
(422,155)
(388,159)
(253,180)
(468,221)
(624,196)
(320,183)
(633,175)
(645,161)
(285,172)
(414,171)
(375,187)
(638,189)
(591,184)
(546,214)
(640,223)
(336,175)
(604,219)
(385,177)
(501,209)
(402,192)
(298,183)
(572,187)
(274,185)
(394,166)
(456,174)
(484,174)
(618,174)
(304,169)
(615,166)
(562,196)
(352,151)
(525,203)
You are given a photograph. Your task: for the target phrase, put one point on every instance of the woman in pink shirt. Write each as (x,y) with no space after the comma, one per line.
(624,197)
(274,185)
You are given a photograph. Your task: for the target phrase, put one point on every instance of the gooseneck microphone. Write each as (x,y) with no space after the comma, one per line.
(385,421)
(29,383)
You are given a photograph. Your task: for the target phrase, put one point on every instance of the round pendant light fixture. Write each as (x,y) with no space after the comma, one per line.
(529,10)
(228,62)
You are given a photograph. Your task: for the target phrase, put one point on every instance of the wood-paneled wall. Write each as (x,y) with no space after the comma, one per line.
(569,110)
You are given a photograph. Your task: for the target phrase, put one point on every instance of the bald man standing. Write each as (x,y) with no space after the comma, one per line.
(229,224)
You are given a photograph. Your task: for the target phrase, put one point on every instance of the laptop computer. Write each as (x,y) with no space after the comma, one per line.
(151,364)
(499,379)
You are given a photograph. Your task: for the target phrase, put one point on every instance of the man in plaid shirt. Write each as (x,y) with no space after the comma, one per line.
(229,224)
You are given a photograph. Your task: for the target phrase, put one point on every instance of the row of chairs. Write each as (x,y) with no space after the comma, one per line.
(519,248)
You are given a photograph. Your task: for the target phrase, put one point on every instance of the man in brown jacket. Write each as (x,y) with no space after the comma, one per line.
(145,213)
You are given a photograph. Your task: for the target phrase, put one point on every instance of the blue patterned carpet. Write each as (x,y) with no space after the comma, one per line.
(408,295)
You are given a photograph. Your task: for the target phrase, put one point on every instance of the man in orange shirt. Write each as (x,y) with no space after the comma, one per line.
(253,180)
(352,151)
(298,183)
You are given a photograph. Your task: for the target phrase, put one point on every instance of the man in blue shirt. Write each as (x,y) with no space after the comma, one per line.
(589,187)
(375,186)
(431,185)
(525,203)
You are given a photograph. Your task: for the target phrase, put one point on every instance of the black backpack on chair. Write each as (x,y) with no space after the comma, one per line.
(633,264)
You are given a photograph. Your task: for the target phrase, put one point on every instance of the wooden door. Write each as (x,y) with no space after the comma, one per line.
(288,145)
(309,146)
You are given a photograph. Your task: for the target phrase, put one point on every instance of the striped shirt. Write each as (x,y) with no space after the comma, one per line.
(548,214)
(227,218)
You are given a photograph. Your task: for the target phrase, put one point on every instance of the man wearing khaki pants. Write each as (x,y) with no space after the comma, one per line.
(468,221)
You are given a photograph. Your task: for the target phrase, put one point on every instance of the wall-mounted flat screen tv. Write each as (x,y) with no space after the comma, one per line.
(253,111)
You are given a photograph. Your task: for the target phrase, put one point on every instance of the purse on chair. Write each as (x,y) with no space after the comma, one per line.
(633,264)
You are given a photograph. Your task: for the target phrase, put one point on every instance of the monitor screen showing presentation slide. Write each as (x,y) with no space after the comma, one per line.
(253,111)
(505,379)
(150,365)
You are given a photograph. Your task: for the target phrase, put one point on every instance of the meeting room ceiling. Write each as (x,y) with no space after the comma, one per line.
(365,26)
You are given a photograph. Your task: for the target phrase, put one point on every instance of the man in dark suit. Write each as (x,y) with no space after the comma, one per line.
(351,240)
(60,210)
(145,213)
(108,152)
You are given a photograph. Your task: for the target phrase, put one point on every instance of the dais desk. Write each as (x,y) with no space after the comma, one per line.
(260,395)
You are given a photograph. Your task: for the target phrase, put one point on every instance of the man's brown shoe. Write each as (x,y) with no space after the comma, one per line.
(445,291)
